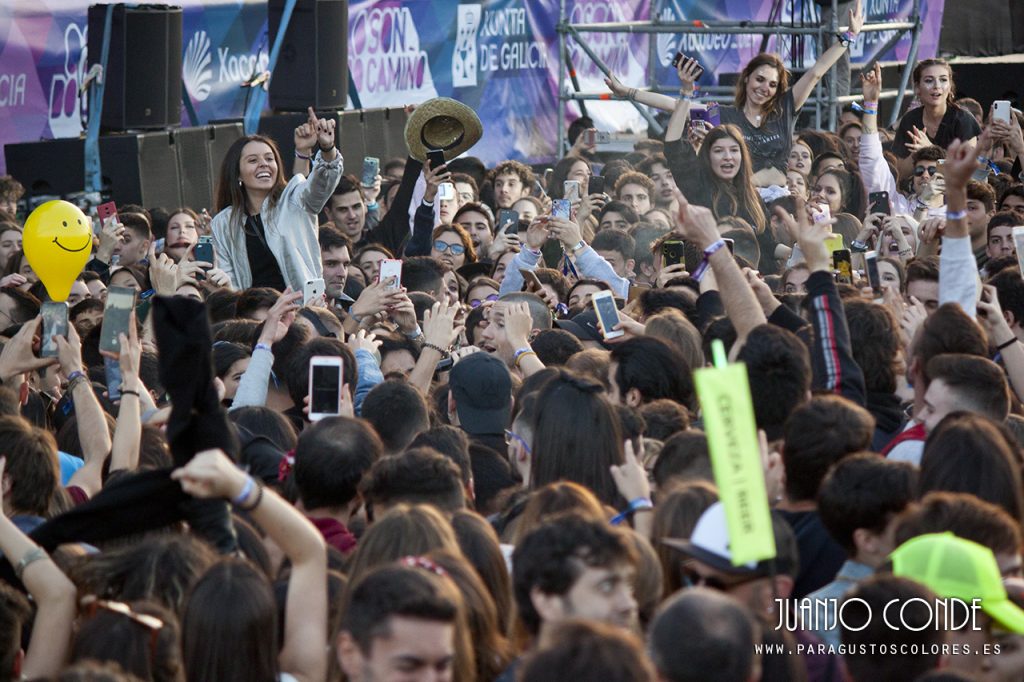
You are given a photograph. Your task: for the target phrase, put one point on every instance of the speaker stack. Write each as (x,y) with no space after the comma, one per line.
(312,66)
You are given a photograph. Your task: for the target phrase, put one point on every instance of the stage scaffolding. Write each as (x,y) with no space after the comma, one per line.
(825,103)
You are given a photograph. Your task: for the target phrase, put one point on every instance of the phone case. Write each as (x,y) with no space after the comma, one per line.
(561,208)
(371,166)
(391,268)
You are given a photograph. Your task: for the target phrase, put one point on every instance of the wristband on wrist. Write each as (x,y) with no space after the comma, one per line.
(1006,344)
(126,391)
(705,262)
(956,215)
(263,346)
(414,334)
(373,206)
(858,246)
(867,108)
(246,491)
(427,202)
(579,246)
(76,375)
(256,502)
(303,156)
(634,506)
(520,354)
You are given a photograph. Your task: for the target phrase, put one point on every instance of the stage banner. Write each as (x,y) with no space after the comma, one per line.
(498,56)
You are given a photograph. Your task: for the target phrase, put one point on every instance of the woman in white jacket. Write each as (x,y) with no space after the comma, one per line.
(265,231)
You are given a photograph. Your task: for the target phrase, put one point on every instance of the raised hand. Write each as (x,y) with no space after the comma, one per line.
(17,356)
(871,82)
(689,70)
(210,474)
(439,328)
(434,177)
(363,340)
(811,236)
(324,128)
(280,316)
(857,19)
(305,139)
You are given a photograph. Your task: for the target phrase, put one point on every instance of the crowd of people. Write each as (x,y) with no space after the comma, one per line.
(510,489)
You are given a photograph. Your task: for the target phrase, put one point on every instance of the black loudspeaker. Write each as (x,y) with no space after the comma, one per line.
(199,152)
(167,169)
(312,67)
(143,76)
(359,133)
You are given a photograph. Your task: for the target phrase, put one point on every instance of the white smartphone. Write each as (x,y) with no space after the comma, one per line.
(1001,110)
(1018,243)
(446,191)
(607,314)
(571,190)
(313,291)
(325,375)
(391,267)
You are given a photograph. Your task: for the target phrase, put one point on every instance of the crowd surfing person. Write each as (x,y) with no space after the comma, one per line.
(497,487)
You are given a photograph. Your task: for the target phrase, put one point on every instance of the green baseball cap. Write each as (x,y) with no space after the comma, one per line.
(953,567)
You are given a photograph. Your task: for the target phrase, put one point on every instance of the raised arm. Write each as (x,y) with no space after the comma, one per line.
(327,166)
(700,227)
(958,273)
(252,388)
(124,453)
(210,474)
(53,594)
(304,141)
(803,87)
(439,333)
(92,425)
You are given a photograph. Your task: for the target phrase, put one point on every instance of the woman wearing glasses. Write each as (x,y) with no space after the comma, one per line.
(925,187)
(452,246)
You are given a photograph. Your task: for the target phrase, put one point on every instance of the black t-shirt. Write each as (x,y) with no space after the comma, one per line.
(769,145)
(265,270)
(957,124)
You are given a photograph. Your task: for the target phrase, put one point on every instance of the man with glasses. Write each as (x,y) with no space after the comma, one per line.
(927,188)
(757,585)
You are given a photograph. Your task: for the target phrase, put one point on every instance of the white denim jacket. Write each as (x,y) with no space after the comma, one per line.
(290,226)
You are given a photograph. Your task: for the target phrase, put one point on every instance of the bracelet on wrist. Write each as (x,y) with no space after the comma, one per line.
(263,346)
(639,504)
(443,351)
(858,246)
(520,354)
(1006,344)
(867,108)
(30,557)
(956,215)
(128,391)
(303,156)
(415,334)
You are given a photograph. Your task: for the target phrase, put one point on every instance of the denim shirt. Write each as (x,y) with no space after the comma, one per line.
(831,595)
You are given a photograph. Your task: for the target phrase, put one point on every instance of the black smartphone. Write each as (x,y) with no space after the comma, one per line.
(55,323)
(879,203)
(508,221)
(112,370)
(204,250)
(672,252)
(595,185)
(116,316)
(553,252)
(679,58)
(842,263)
(436,159)
(871,272)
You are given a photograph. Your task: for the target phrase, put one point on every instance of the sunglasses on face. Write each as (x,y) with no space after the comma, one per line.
(456,249)
(476,302)
(930,170)
(691,578)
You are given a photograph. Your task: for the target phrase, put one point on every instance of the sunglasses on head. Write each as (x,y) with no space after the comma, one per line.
(930,170)
(476,302)
(456,249)
(91,605)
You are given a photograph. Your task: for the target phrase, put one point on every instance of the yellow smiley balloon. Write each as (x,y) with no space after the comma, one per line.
(57,240)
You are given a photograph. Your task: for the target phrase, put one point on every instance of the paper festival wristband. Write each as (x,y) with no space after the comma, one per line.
(724,393)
